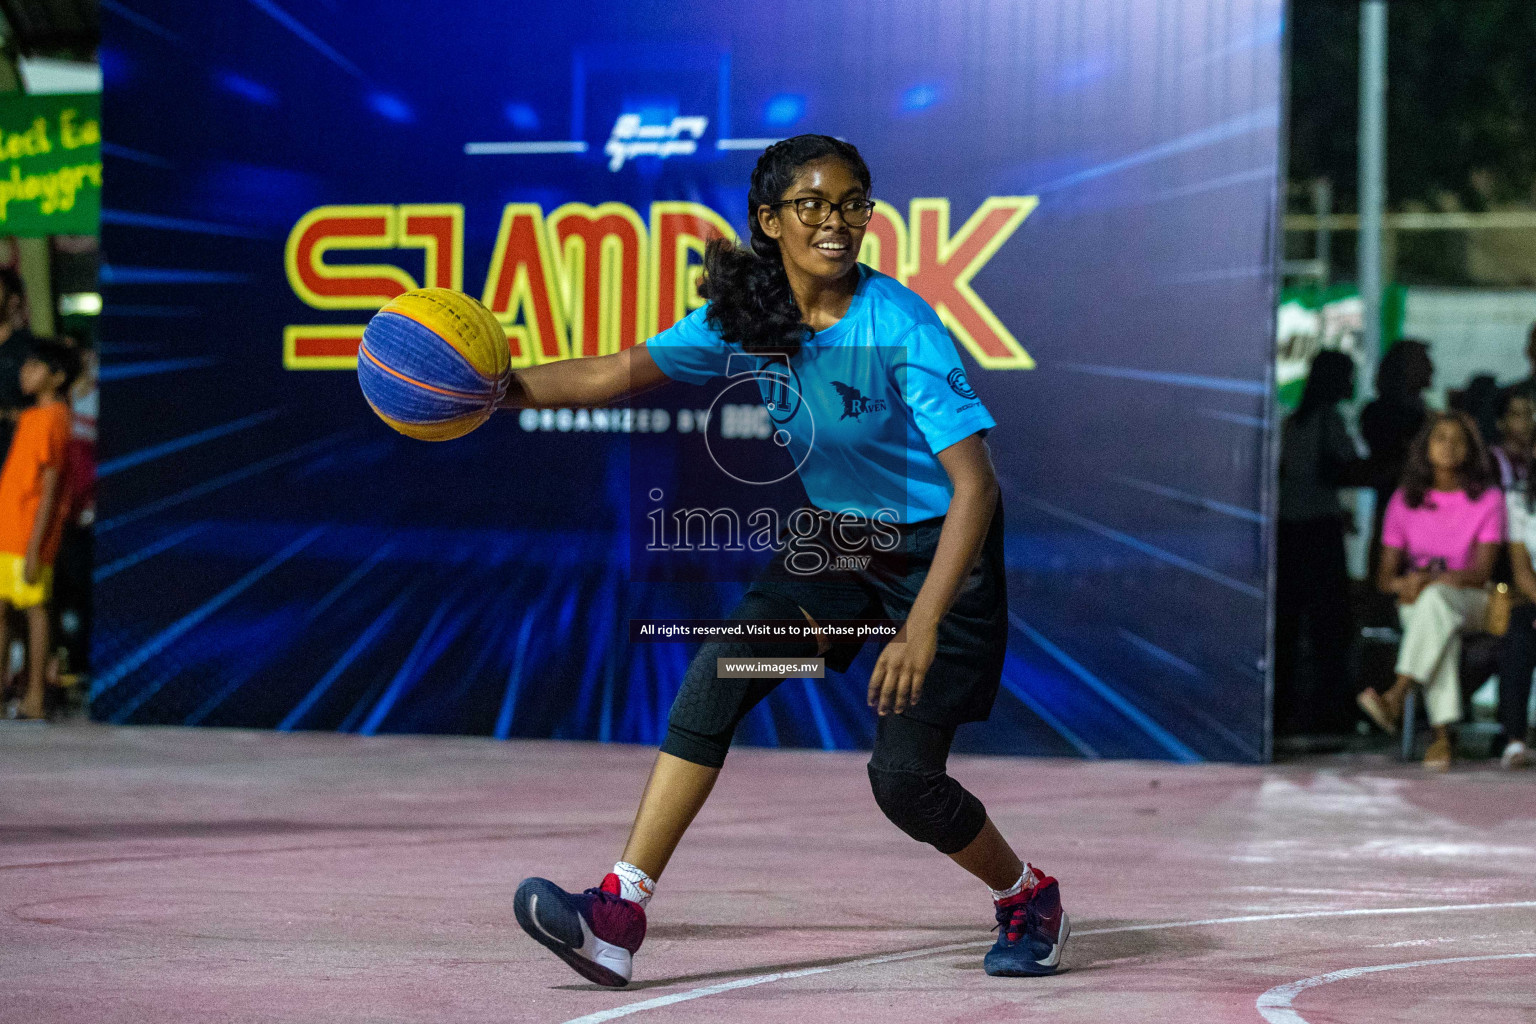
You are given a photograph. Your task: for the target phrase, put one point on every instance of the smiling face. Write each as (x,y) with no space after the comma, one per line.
(829,250)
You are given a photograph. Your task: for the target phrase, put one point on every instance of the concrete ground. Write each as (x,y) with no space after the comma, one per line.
(206,876)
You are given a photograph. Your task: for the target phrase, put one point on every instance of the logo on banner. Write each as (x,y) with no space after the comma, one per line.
(631,138)
(591,280)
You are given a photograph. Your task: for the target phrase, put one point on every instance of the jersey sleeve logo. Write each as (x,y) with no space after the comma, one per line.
(854,402)
(959,385)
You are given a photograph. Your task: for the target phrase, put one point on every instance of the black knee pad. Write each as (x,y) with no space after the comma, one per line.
(930,807)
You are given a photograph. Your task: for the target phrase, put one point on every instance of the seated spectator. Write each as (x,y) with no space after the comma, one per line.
(1517,435)
(1442,532)
(1517,648)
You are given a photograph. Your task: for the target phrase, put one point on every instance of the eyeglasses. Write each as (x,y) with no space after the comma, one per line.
(814,212)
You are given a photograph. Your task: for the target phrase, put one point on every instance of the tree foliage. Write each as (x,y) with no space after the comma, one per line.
(1461,101)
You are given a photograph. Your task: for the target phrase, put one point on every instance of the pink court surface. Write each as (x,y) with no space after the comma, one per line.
(168,875)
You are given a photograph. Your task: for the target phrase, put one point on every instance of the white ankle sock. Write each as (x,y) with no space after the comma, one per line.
(634,884)
(1026,880)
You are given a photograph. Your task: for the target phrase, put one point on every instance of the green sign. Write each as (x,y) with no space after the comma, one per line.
(1312,319)
(50,165)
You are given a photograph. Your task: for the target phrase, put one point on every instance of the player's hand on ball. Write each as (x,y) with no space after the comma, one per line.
(897,681)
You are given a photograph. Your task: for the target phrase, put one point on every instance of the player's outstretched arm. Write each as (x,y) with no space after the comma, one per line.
(591,381)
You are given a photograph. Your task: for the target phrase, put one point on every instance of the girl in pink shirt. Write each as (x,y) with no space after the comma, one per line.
(1441,535)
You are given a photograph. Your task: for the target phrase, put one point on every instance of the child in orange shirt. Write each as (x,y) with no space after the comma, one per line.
(32,507)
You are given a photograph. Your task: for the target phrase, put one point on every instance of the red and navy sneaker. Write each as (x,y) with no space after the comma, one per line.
(597,931)
(1032,931)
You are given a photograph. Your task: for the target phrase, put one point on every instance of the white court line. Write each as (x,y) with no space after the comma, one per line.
(763,979)
(1275,1005)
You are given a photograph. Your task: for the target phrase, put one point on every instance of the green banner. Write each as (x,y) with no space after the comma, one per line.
(50,165)
(1314,318)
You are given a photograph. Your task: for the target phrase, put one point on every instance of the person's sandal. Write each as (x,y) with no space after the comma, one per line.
(1379,709)
(1438,757)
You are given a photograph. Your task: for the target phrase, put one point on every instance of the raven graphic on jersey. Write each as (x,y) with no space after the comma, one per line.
(854,402)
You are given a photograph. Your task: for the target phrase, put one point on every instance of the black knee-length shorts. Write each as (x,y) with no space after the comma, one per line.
(961,685)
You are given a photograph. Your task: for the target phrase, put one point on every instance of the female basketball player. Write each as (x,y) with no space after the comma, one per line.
(908,438)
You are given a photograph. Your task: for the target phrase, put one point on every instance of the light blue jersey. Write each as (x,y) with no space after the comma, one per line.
(865,405)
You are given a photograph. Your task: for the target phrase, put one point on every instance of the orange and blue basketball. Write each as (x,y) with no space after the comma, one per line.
(434,363)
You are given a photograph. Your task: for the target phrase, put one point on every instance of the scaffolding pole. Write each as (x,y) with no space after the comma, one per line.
(1373,166)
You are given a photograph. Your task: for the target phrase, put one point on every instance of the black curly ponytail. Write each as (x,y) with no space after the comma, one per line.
(750,302)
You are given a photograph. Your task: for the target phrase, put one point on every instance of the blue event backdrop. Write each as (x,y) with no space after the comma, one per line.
(271,555)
